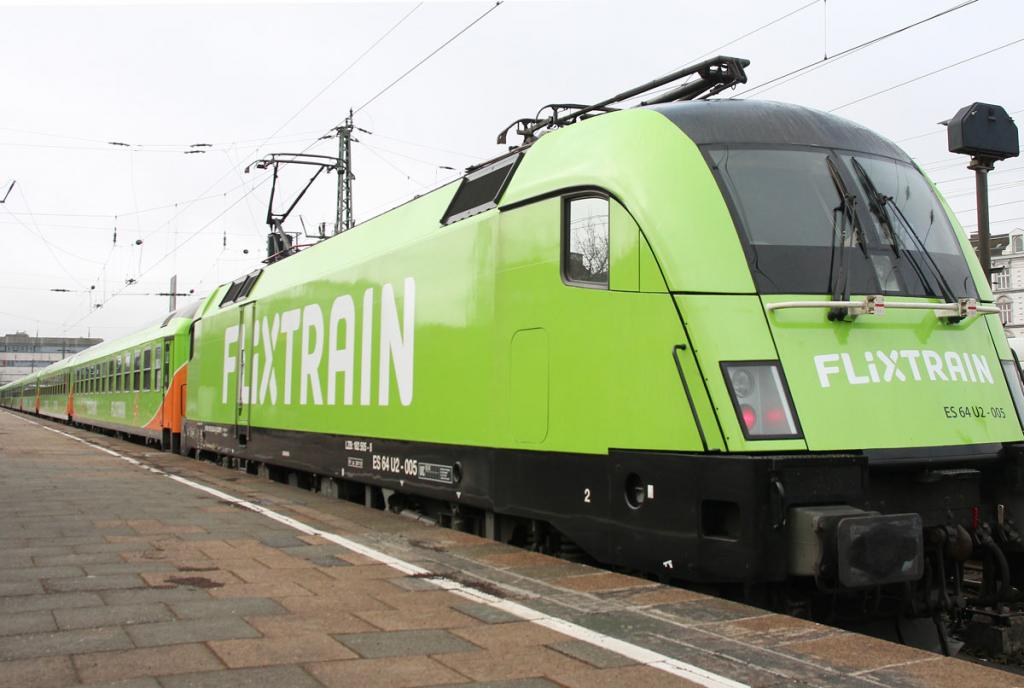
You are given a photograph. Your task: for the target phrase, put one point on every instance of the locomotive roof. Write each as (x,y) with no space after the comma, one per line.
(773,123)
(743,122)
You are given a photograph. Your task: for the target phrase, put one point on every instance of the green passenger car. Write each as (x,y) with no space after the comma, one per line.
(134,385)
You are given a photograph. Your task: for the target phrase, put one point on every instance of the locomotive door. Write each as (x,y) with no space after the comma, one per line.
(246,316)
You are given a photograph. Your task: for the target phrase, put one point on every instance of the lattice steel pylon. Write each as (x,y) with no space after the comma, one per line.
(344,218)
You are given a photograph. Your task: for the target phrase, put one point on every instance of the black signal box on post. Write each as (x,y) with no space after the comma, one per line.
(983,131)
(987,134)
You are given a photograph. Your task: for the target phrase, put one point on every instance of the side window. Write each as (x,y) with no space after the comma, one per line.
(147,369)
(117,373)
(585,241)
(167,365)
(137,372)
(110,375)
(157,368)
(128,372)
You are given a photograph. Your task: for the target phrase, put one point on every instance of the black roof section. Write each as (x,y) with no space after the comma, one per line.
(771,123)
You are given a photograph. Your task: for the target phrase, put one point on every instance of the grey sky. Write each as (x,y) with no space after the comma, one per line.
(163,77)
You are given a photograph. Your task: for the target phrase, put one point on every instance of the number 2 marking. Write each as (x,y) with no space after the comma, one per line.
(586,495)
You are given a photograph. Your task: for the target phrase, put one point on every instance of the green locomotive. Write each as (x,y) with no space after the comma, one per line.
(713,341)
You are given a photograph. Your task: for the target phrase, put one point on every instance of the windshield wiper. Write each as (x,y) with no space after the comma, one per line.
(888,202)
(877,204)
(839,275)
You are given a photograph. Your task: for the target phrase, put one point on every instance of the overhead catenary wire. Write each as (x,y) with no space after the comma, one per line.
(346,70)
(232,167)
(995,177)
(992,187)
(994,222)
(168,254)
(990,205)
(259,183)
(435,51)
(831,59)
(106,144)
(762,27)
(50,247)
(305,105)
(143,211)
(428,163)
(422,145)
(928,74)
(393,166)
(396,81)
(715,51)
(101,228)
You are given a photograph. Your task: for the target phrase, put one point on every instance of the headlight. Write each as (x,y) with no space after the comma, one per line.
(1012,374)
(761,399)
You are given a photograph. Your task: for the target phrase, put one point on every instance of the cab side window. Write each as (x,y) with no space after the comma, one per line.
(585,241)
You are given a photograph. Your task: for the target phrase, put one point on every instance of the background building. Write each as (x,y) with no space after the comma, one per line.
(1008,278)
(21,354)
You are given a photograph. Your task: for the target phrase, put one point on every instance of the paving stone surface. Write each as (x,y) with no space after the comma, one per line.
(118,576)
(404,643)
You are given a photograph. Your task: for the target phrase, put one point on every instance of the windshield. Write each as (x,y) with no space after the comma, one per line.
(787,205)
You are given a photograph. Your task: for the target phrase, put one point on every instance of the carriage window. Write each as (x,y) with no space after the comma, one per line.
(117,374)
(128,372)
(137,372)
(585,241)
(147,369)
(167,366)
(157,368)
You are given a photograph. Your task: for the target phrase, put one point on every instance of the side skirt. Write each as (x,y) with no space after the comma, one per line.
(709,518)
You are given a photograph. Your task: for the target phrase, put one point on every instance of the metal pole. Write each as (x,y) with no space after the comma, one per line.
(981,167)
(344,219)
(174,294)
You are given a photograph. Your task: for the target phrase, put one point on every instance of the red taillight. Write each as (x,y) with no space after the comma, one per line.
(749,417)
(761,401)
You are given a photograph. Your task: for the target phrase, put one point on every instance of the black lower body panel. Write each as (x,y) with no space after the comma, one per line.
(695,517)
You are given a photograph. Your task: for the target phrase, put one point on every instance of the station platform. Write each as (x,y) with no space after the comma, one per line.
(121,565)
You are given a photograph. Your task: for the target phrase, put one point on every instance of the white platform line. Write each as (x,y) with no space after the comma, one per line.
(638,654)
